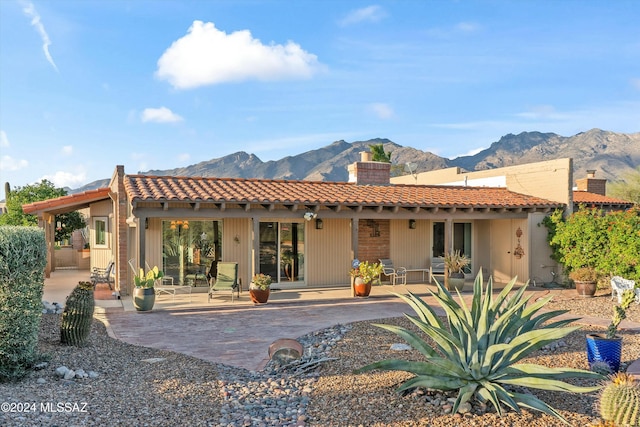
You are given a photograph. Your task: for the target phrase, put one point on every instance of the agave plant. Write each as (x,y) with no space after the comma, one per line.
(477,353)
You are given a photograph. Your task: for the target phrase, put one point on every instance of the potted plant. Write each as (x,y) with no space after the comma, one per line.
(455,263)
(144,293)
(586,280)
(608,347)
(260,288)
(362,274)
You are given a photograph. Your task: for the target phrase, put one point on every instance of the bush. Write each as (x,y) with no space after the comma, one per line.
(23,257)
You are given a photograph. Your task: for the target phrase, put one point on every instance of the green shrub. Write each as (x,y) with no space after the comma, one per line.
(23,257)
(477,352)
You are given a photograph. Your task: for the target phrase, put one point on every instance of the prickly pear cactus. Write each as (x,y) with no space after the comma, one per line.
(620,401)
(77,315)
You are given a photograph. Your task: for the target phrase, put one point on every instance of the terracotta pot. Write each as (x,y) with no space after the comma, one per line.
(258,296)
(586,289)
(361,289)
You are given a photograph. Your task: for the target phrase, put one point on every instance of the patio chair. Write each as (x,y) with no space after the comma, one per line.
(226,280)
(619,285)
(395,275)
(103,275)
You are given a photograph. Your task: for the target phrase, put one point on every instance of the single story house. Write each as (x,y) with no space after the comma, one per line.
(306,233)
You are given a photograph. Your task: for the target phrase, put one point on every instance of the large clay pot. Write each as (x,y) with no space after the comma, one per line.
(258,296)
(586,289)
(602,349)
(455,281)
(361,289)
(144,298)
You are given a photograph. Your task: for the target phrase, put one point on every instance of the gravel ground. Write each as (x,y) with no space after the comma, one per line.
(148,387)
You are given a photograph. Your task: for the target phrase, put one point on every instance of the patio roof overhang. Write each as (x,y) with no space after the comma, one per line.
(66,204)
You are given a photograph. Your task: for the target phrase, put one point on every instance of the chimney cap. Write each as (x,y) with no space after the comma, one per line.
(591,173)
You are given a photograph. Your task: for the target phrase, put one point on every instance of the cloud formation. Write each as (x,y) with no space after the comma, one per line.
(66,179)
(30,10)
(366,14)
(381,110)
(207,56)
(160,115)
(67,150)
(8,163)
(4,140)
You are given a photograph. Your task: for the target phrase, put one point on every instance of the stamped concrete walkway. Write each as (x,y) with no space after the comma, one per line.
(239,333)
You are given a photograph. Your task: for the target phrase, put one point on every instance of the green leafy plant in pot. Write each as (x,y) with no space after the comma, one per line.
(363,274)
(608,347)
(260,288)
(455,263)
(144,293)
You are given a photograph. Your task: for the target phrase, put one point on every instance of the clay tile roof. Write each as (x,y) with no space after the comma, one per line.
(588,198)
(218,190)
(68,203)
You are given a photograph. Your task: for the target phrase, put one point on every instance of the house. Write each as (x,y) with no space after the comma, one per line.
(306,233)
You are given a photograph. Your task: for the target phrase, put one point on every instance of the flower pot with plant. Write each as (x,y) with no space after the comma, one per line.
(608,347)
(586,280)
(260,288)
(362,274)
(455,263)
(144,293)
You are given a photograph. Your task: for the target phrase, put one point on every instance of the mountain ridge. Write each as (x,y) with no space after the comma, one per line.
(611,154)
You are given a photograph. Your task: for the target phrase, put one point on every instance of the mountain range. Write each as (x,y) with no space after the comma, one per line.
(610,154)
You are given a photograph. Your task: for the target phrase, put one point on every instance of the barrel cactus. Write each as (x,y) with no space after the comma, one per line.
(77,315)
(620,401)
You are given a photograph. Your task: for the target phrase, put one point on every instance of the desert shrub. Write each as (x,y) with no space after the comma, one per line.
(23,257)
(478,350)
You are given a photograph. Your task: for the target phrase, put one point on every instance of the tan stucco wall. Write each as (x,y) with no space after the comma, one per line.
(550,180)
(100,257)
(328,253)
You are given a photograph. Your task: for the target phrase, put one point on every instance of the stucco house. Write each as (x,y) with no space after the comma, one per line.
(306,233)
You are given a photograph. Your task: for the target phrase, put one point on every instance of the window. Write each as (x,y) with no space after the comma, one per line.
(191,250)
(461,238)
(100,228)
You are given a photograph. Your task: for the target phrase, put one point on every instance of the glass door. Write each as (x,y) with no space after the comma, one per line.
(282,251)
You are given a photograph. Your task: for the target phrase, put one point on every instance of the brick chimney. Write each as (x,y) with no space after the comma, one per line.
(368,172)
(592,184)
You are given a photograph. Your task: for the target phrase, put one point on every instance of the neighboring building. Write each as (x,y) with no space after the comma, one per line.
(306,233)
(592,192)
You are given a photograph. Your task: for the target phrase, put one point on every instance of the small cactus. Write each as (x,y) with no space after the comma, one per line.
(620,401)
(601,367)
(77,315)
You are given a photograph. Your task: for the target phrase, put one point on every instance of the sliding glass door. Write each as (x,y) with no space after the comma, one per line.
(282,251)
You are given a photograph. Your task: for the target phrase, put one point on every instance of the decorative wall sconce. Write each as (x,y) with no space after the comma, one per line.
(319,224)
(146,223)
(412,224)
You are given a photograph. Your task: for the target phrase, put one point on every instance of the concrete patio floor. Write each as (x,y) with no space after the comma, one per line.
(239,333)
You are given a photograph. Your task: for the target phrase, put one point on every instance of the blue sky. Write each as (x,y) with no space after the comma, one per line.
(86,85)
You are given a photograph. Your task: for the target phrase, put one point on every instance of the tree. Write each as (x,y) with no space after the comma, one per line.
(628,188)
(44,190)
(378,153)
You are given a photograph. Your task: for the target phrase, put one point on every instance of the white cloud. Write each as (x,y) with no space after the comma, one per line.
(67,150)
(30,10)
(467,27)
(8,163)
(380,110)
(366,14)
(4,140)
(184,157)
(207,56)
(66,179)
(160,115)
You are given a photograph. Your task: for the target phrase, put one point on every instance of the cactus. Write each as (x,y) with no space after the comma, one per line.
(77,315)
(620,401)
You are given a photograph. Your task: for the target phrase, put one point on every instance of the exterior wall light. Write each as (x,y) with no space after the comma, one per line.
(412,224)
(319,224)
